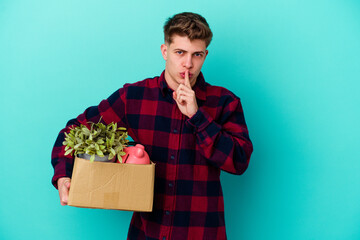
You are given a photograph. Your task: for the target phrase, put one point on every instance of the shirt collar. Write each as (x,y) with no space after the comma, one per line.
(199,86)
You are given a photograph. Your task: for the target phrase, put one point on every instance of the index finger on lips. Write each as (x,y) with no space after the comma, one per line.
(187,80)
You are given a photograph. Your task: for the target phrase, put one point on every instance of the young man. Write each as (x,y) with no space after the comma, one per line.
(190,129)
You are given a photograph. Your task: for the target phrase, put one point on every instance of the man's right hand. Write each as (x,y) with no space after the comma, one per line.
(63,187)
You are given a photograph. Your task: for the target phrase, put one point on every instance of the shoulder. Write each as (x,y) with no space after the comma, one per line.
(141,89)
(222,94)
(220,103)
(146,83)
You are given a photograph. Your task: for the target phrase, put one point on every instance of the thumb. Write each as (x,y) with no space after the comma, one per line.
(67,184)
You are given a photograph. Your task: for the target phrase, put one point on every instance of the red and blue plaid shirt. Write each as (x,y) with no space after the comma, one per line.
(189,154)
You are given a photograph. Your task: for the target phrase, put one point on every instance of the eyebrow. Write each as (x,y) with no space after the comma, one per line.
(179,49)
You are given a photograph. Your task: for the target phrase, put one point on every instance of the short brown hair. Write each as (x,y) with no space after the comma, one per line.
(188,24)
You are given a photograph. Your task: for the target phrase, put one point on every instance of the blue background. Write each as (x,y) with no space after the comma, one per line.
(294,64)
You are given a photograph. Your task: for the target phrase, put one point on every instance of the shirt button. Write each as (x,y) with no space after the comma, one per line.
(172,157)
(171,185)
(167,213)
(164,238)
(175,131)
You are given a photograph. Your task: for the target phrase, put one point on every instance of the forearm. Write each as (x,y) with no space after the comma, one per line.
(226,146)
(63,164)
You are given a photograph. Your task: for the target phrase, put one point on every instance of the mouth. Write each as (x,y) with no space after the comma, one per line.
(183,75)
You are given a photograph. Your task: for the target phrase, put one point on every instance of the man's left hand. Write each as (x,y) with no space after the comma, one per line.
(185,97)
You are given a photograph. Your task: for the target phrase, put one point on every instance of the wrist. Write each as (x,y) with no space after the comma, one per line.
(190,115)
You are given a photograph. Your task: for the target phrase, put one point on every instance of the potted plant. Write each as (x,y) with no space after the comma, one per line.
(99,143)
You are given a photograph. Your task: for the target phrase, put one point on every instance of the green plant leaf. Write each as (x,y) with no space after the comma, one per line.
(86,131)
(112,151)
(68,151)
(100,153)
(112,139)
(77,146)
(108,142)
(119,158)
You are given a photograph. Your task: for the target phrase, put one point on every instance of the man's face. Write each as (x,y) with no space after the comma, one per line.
(181,55)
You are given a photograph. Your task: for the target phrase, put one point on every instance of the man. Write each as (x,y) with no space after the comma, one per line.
(190,129)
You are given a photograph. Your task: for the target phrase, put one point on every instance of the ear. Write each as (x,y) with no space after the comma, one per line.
(164,51)
(206,52)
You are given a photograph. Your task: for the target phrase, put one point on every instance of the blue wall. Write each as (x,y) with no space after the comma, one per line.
(295,65)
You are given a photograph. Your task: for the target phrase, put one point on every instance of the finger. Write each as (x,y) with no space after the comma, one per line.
(64,191)
(64,196)
(64,202)
(187,80)
(176,97)
(184,89)
(179,91)
(67,184)
(186,92)
(182,99)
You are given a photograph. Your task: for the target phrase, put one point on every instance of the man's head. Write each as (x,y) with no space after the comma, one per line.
(187,35)
(187,24)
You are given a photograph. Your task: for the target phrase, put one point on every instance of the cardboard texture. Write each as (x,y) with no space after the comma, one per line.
(112,186)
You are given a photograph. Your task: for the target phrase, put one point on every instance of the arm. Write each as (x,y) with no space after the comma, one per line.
(109,110)
(225,143)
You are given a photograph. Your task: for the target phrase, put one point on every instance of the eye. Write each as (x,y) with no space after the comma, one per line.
(198,54)
(179,52)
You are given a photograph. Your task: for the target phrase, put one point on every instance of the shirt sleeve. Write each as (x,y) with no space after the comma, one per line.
(225,143)
(109,110)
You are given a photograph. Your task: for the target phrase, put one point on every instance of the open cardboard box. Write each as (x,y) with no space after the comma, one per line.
(112,185)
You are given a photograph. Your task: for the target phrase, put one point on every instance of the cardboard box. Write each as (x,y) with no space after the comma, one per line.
(112,186)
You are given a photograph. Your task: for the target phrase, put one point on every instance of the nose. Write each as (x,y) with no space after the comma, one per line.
(188,61)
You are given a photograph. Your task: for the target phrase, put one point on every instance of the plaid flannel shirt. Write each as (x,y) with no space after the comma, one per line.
(189,154)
